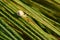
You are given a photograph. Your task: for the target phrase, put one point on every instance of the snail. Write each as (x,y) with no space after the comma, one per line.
(21,13)
(25,17)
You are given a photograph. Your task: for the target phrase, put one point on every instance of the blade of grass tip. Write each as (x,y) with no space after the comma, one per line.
(49,26)
(17,26)
(7,37)
(8,27)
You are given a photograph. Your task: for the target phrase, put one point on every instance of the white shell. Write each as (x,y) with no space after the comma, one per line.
(21,13)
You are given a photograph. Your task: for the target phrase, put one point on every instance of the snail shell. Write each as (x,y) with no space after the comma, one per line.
(21,13)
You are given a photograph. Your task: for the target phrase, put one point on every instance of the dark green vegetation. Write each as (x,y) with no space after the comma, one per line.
(42,21)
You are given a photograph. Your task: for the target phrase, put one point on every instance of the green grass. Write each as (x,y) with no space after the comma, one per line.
(42,21)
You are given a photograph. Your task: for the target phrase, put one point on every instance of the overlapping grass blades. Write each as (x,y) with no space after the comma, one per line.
(41,23)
